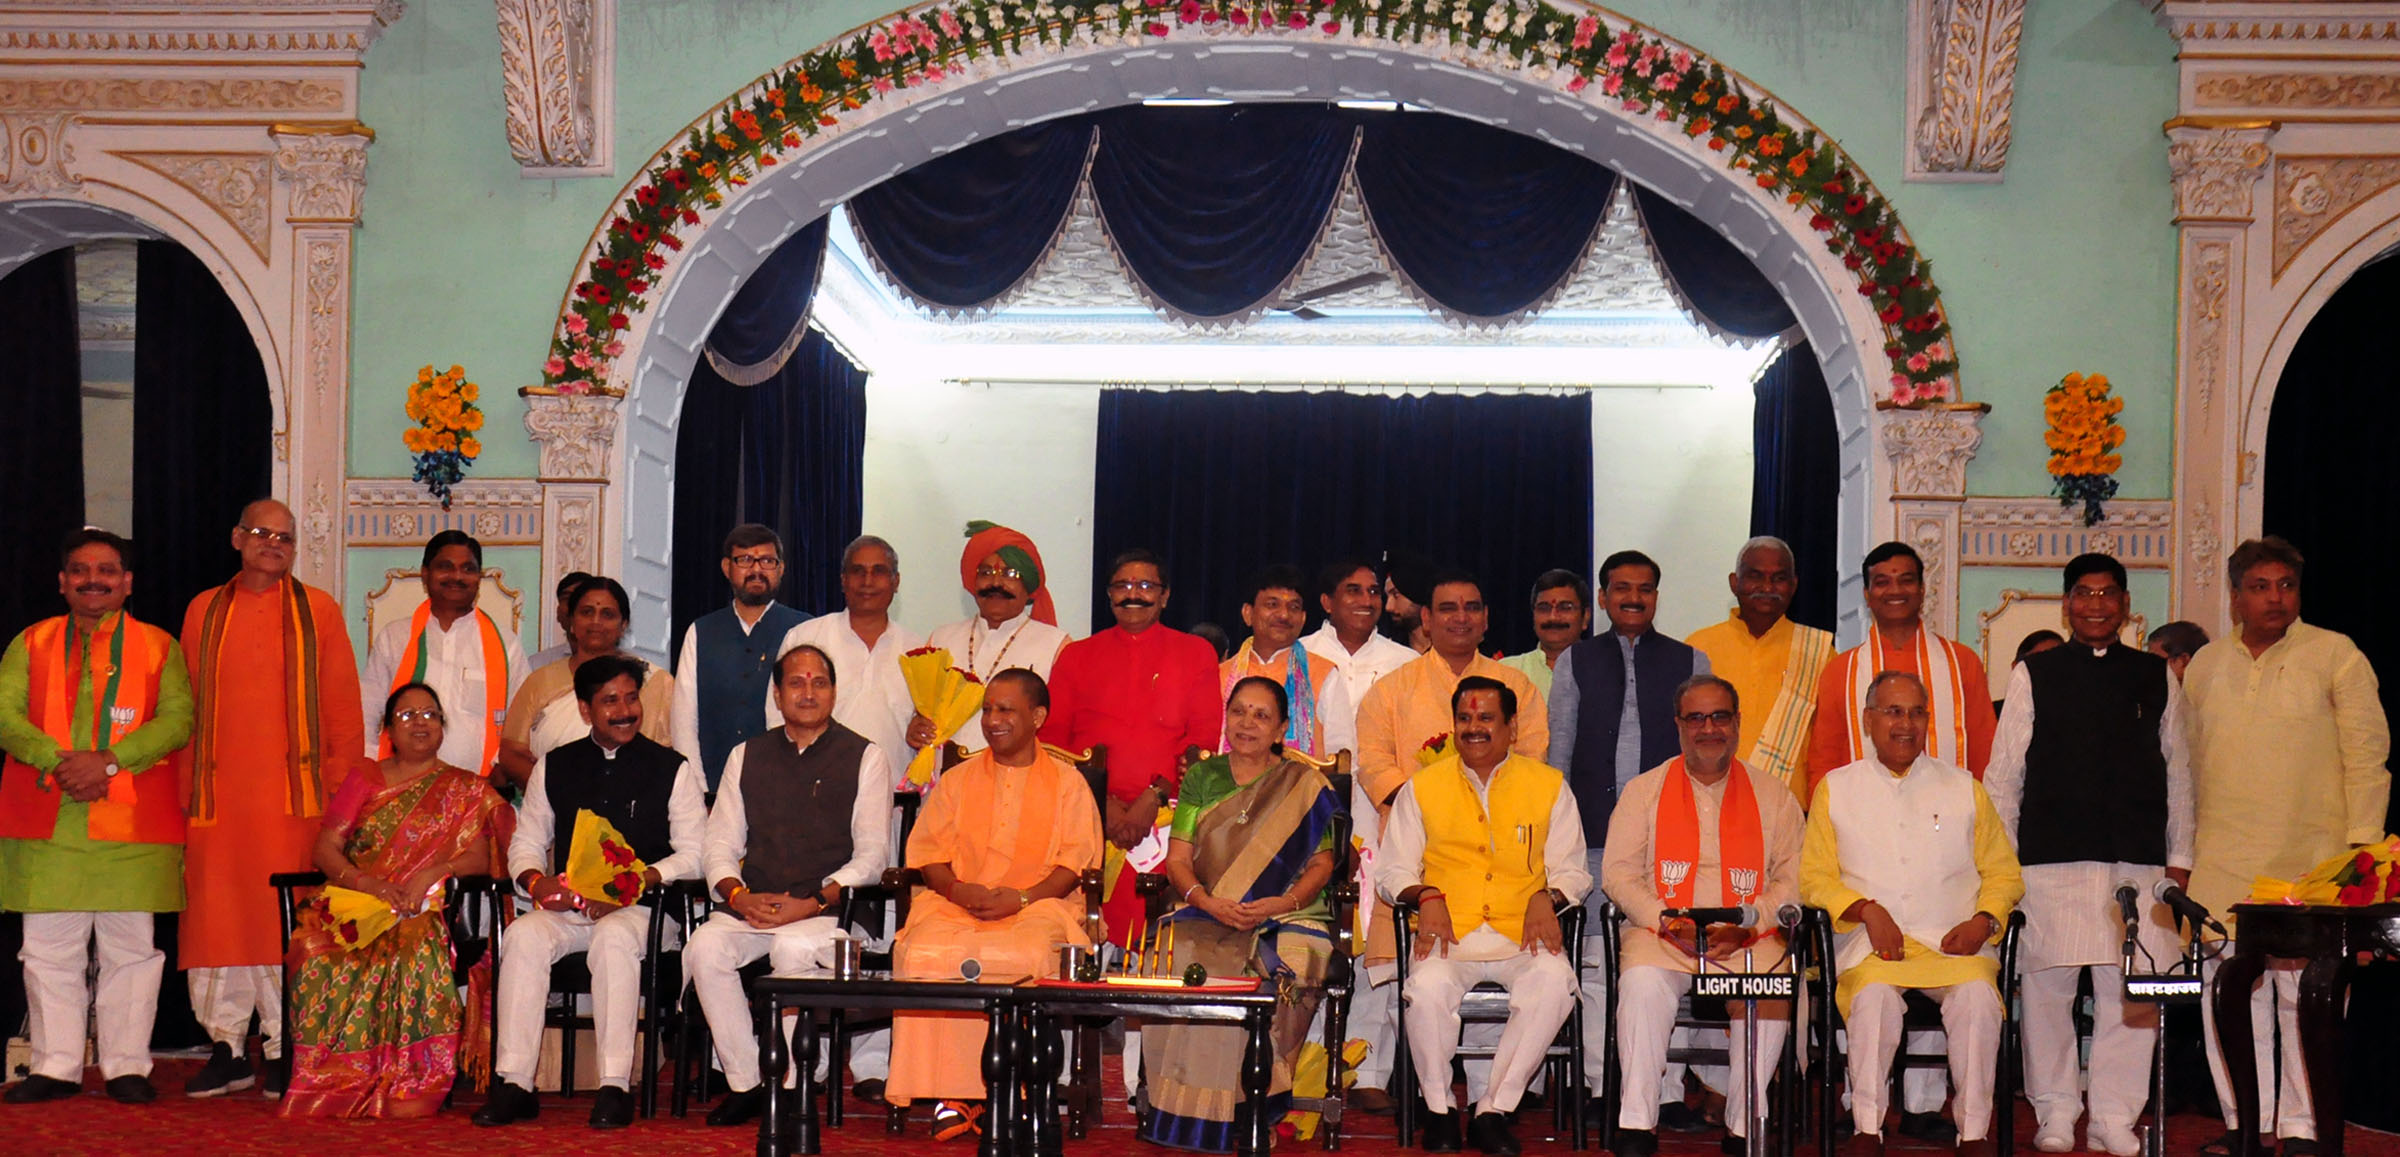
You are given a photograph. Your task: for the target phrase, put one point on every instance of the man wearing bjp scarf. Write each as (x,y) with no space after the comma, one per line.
(1014,624)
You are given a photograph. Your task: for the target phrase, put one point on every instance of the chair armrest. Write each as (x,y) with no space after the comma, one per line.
(1150,883)
(900,878)
(296,880)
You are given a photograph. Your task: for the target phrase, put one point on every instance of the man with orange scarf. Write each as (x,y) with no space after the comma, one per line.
(1899,640)
(91,831)
(454,648)
(276,728)
(1696,832)
(1014,624)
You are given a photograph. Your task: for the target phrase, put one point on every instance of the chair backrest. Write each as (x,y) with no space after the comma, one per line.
(402,593)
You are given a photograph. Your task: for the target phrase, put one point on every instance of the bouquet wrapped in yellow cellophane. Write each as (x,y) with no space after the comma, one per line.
(601,864)
(942,693)
(1433,750)
(356,917)
(2356,878)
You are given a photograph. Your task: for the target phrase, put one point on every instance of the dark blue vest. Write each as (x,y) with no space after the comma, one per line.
(1660,665)
(735,671)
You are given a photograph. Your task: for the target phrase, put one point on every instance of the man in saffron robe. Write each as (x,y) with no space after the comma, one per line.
(1014,624)
(276,729)
(452,647)
(1321,720)
(1899,640)
(1002,841)
(91,832)
(1771,661)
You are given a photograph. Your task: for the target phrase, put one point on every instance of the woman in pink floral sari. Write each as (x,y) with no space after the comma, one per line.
(375,1026)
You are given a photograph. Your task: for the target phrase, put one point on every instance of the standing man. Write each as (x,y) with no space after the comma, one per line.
(652,797)
(1485,842)
(2289,743)
(276,729)
(1909,855)
(1700,830)
(1562,615)
(1773,661)
(2089,777)
(91,832)
(1321,720)
(1146,691)
(727,660)
(1014,624)
(1899,640)
(865,645)
(2177,642)
(453,647)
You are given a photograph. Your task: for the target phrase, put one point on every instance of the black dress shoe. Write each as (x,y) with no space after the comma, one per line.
(1677,1117)
(1441,1133)
(507,1106)
(274,1077)
(1636,1143)
(739,1108)
(612,1108)
(37,1088)
(131,1089)
(869,1090)
(1489,1132)
(224,1073)
(1932,1128)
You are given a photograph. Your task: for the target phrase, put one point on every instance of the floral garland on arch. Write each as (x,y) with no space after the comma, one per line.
(2083,438)
(1574,51)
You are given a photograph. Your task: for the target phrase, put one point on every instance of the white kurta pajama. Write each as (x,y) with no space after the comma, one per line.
(984,650)
(2072,921)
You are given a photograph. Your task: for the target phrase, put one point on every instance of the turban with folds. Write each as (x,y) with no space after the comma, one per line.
(989,538)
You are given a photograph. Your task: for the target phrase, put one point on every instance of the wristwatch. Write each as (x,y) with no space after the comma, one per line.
(113,769)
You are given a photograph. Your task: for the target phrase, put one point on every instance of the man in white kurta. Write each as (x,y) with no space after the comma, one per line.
(1908,854)
(1699,831)
(866,646)
(446,646)
(2288,748)
(1490,842)
(1014,624)
(2089,776)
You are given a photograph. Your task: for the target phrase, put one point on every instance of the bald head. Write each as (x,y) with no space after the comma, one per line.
(268,539)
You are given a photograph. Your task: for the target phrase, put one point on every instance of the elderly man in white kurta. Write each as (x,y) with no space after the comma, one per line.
(1701,830)
(866,646)
(1908,854)
(2089,776)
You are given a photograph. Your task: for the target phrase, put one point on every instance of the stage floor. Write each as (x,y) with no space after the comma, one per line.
(245,1123)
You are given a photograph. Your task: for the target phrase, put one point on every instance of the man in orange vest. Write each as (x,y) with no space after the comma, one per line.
(91,823)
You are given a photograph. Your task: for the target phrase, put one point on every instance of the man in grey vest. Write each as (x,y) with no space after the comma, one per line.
(728,655)
(801,813)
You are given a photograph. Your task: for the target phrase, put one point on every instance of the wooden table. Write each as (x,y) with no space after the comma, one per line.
(1048,1005)
(781,1130)
(2330,939)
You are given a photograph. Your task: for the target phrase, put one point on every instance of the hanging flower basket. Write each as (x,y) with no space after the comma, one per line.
(2083,440)
(443,440)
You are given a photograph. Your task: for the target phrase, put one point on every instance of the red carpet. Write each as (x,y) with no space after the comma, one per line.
(244,1123)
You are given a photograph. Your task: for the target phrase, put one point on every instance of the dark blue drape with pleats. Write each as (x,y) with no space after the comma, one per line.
(41,446)
(1796,476)
(960,230)
(1221,482)
(1712,275)
(773,304)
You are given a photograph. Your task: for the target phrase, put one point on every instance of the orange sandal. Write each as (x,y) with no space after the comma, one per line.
(955,1119)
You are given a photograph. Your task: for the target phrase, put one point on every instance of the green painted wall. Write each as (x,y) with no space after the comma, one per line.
(2068,265)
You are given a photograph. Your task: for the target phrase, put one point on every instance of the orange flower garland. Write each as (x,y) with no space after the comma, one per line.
(2083,440)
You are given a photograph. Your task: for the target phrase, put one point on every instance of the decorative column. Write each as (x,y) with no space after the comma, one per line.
(575,433)
(320,178)
(2216,164)
(1929,448)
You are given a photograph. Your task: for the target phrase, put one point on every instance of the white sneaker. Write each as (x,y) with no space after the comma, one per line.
(2116,1139)
(2055,1137)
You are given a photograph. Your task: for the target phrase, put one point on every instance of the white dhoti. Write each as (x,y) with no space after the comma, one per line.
(718,951)
(2283,1103)
(1541,993)
(224,998)
(1646,1020)
(55,956)
(2072,921)
(1970,1021)
(613,947)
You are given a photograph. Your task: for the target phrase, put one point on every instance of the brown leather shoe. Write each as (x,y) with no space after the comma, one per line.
(1374,1101)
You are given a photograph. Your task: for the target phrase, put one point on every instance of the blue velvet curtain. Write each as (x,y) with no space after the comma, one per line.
(1484,221)
(768,315)
(41,447)
(963,229)
(1222,482)
(1796,476)
(1710,274)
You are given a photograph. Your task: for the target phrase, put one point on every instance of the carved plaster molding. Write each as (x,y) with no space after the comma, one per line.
(2209,281)
(35,157)
(327,171)
(239,186)
(397,512)
(1962,75)
(2345,92)
(558,81)
(265,32)
(2215,168)
(2038,532)
(2312,193)
(1930,448)
(575,433)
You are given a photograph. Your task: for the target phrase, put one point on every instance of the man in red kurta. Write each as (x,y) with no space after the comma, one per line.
(1146,692)
(1898,640)
(276,727)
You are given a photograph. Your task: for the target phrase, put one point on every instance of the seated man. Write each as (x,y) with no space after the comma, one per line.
(1002,841)
(1494,838)
(802,812)
(1697,831)
(1909,854)
(652,796)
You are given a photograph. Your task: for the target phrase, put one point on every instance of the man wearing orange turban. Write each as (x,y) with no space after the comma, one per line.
(1013,625)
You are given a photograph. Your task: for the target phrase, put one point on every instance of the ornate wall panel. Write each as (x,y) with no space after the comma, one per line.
(2038,532)
(1962,83)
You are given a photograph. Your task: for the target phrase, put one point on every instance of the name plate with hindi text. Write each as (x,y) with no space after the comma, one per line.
(2164,989)
(1746,985)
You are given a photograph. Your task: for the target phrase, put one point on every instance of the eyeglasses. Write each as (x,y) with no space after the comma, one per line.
(999,572)
(1129,586)
(1709,718)
(1896,713)
(262,534)
(2095,594)
(755,562)
(1562,607)
(418,715)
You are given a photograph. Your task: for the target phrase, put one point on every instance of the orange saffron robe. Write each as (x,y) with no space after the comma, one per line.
(1829,736)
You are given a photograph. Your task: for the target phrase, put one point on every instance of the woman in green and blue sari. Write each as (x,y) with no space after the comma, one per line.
(1249,855)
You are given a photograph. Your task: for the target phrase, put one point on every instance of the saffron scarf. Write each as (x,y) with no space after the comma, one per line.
(1300,723)
(1945,694)
(304,709)
(411,669)
(1741,842)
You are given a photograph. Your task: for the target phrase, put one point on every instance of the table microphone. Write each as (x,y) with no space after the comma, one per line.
(2128,897)
(2167,893)
(1739,915)
(970,969)
(1788,916)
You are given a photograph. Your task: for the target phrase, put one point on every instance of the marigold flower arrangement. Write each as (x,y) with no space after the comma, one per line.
(443,407)
(2083,440)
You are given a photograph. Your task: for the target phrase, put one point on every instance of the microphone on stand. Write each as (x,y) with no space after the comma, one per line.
(2166,892)
(2128,899)
(1739,915)
(1788,916)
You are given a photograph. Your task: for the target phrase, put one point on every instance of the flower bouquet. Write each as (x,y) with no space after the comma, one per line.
(355,917)
(2083,440)
(945,694)
(601,864)
(1433,750)
(443,439)
(2354,879)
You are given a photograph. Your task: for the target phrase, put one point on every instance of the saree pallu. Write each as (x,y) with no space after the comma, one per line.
(375,1029)
(1249,845)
